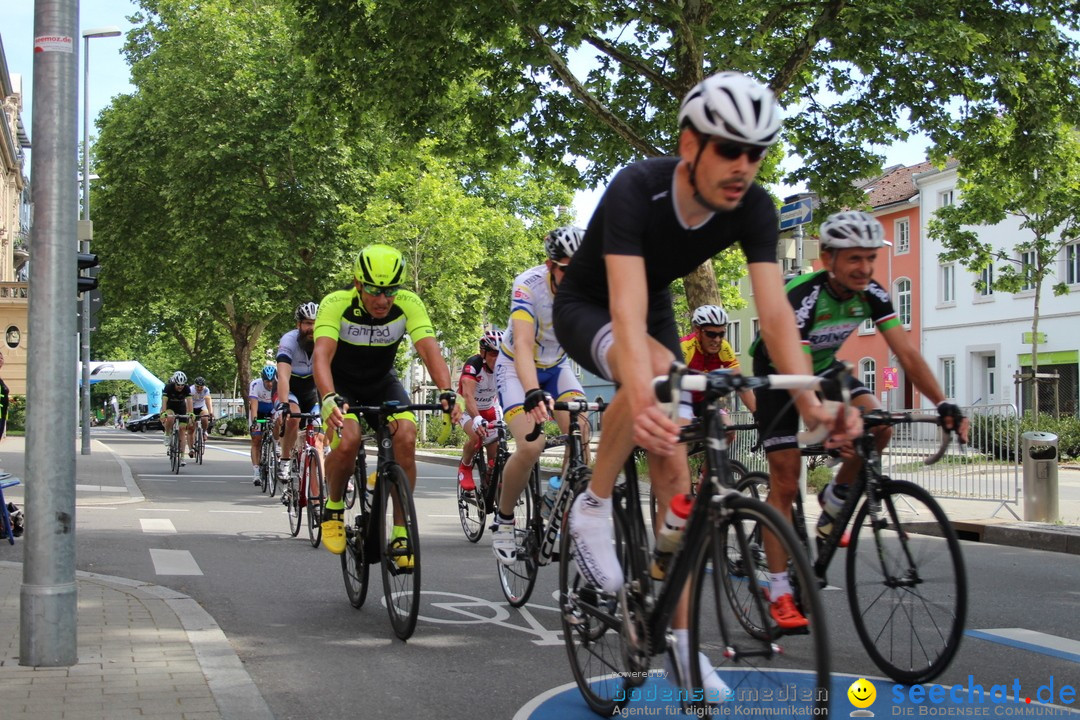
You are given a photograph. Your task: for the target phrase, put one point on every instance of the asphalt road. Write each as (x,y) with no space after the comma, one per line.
(282,603)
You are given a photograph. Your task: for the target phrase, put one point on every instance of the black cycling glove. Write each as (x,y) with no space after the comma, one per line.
(449,397)
(949,410)
(534,399)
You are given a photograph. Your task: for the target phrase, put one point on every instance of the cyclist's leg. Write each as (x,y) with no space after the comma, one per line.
(834,495)
(403,429)
(468,452)
(256,439)
(288,442)
(339,464)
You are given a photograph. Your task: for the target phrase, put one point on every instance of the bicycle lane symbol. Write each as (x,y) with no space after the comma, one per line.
(457,609)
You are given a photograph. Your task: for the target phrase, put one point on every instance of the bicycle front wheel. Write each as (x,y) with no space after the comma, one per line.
(759,670)
(174,451)
(401,550)
(470,503)
(201,449)
(906,583)
(316,500)
(518,579)
(293,507)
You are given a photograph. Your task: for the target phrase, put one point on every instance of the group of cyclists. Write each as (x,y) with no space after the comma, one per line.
(602,298)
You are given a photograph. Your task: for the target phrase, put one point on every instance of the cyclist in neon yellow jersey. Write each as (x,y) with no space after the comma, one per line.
(357,333)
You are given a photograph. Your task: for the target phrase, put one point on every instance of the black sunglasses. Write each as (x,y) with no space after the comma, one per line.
(713,334)
(732,150)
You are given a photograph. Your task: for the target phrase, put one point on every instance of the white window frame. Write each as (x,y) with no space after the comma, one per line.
(1027,260)
(902,236)
(945,198)
(986,275)
(868,374)
(734,336)
(867,327)
(755,327)
(1071,273)
(947,284)
(903,297)
(948,376)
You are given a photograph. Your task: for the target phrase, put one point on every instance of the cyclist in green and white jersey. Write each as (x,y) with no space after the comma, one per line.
(829,305)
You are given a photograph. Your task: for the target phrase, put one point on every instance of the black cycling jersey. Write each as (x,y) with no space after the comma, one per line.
(637,216)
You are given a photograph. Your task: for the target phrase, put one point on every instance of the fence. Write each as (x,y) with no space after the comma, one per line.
(986,470)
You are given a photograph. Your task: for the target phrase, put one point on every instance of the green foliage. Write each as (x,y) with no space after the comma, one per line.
(994,436)
(816,480)
(16,418)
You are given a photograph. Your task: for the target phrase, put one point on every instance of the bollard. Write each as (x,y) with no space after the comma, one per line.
(1040,453)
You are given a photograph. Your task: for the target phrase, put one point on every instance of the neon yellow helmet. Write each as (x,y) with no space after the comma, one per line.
(379,265)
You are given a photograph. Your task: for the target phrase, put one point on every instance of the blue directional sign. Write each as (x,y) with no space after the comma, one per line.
(799,212)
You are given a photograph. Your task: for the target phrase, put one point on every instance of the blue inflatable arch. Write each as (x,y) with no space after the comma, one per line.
(133,371)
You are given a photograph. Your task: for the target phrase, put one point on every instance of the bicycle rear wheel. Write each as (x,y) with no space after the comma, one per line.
(470,503)
(759,670)
(906,583)
(316,500)
(401,554)
(517,580)
(355,483)
(293,507)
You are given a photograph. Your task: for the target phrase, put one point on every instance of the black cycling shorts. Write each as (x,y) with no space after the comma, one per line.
(389,389)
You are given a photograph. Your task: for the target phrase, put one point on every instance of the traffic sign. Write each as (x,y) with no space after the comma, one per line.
(797,213)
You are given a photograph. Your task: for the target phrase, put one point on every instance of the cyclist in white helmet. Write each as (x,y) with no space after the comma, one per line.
(477,389)
(659,219)
(176,400)
(707,349)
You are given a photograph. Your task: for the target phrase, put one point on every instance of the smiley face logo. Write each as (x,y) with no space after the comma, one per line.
(862,693)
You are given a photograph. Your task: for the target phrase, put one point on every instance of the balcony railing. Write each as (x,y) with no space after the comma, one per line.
(14,291)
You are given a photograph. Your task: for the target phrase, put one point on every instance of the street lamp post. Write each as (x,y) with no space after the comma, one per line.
(86,231)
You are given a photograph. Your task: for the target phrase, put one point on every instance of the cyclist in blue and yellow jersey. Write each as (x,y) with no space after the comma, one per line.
(176,400)
(532,366)
(357,333)
(296,380)
(261,394)
(829,305)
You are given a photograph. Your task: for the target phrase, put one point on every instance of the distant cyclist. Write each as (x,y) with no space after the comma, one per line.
(532,366)
(357,333)
(296,380)
(176,400)
(261,394)
(202,405)
(829,305)
(707,349)
(477,388)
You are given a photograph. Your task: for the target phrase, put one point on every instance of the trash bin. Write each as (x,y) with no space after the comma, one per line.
(1040,453)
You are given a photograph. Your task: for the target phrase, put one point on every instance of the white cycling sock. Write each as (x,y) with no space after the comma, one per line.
(593,506)
(778,585)
(834,500)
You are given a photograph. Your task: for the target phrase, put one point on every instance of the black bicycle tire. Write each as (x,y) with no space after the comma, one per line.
(358,479)
(315,518)
(758,514)
(473,528)
(911,675)
(355,569)
(174,450)
(613,682)
(518,580)
(294,509)
(404,623)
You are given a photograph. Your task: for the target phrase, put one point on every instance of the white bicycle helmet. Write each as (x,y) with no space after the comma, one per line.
(563,242)
(178,378)
(490,340)
(709,315)
(306,311)
(851,229)
(733,106)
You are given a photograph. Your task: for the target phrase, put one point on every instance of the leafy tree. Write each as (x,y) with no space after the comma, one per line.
(463,242)
(1024,170)
(602,80)
(220,190)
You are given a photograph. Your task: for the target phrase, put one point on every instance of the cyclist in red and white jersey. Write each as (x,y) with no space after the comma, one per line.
(477,388)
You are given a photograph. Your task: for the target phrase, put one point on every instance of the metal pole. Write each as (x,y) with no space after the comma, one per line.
(48,596)
(85,237)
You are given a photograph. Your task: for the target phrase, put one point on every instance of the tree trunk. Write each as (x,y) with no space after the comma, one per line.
(701,286)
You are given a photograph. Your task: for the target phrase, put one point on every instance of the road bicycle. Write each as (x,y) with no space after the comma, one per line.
(905,578)
(268,456)
(175,456)
(368,525)
(198,442)
(474,506)
(536,538)
(611,638)
(306,476)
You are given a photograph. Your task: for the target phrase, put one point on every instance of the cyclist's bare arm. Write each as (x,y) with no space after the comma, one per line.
(920,374)
(325,348)
(468,391)
(525,363)
(284,374)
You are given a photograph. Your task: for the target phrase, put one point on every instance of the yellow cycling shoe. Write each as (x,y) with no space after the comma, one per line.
(333,533)
(398,545)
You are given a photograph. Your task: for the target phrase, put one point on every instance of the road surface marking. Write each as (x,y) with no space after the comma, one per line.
(174,562)
(157,525)
(1025,639)
(241,512)
(154,509)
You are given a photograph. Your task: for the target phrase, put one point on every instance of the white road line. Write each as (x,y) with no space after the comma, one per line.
(157,525)
(154,509)
(100,488)
(219,482)
(93,507)
(238,512)
(1031,640)
(163,478)
(174,562)
(200,476)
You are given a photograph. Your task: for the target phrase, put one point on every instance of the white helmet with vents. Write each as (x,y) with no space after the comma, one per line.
(732,106)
